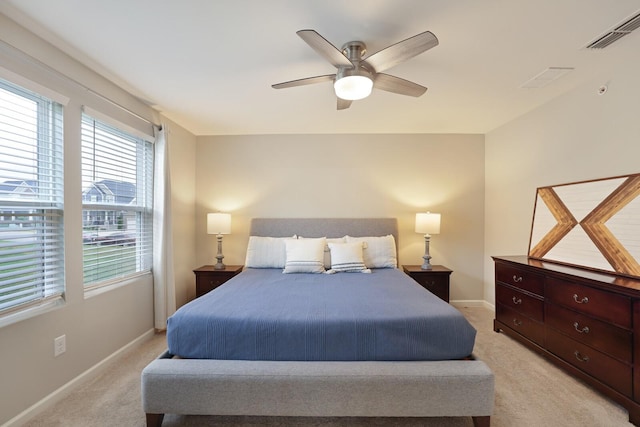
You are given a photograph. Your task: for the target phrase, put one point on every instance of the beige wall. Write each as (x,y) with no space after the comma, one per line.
(350,176)
(580,136)
(97,326)
(182,158)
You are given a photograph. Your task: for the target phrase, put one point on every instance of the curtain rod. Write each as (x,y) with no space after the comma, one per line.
(52,71)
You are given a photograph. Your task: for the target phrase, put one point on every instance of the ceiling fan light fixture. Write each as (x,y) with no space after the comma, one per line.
(353,88)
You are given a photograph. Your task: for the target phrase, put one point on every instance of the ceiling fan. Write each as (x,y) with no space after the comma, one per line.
(357,75)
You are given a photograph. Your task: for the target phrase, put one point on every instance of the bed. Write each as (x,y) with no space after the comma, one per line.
(354,343)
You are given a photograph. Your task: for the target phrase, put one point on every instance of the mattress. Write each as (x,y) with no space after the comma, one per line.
(263,314)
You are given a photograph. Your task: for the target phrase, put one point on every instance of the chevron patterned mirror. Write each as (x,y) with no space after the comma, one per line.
(591,224)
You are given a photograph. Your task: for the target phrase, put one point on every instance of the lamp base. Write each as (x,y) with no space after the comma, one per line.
(219,265)
(426,265)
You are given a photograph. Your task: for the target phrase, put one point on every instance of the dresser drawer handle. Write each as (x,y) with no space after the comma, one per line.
(517,279)
(580,357)
(584,300)
(516,301)
(517,322)
(584,330)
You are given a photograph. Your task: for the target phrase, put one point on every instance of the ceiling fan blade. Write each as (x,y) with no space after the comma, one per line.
(324,48)
(398,85)
(305,81)
(401,51)
(343,104)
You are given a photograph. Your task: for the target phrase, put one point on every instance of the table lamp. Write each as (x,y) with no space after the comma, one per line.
(219,223)
(427,224)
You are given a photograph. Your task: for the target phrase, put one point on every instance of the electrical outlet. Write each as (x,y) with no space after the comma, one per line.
(59,345)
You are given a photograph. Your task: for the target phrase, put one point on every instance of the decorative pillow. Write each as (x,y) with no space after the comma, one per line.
(347,258)
(305,255)
(327,252)
(378,252)
(266,252)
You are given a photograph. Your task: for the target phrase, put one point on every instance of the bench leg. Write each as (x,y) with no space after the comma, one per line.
(154,420)
(481,421)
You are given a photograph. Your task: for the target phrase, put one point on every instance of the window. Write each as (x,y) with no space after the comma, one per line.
(31,199)
(117,183)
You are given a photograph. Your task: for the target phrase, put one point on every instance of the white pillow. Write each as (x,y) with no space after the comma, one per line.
(327,252)
(305,255)
(378,252)
(266,252)
(347,258)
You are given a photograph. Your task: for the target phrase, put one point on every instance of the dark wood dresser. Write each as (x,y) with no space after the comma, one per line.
(587,323)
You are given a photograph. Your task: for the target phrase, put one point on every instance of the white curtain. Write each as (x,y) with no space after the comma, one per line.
(164,289)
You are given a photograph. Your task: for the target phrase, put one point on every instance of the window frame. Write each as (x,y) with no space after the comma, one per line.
(45,213)
(143,212)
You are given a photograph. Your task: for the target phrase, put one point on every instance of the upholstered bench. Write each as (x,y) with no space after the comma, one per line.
(365,389)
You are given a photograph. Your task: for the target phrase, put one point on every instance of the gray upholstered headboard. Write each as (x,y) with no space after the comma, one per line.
(324,227)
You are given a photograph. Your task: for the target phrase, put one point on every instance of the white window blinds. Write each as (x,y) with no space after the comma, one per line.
(31,198)
(117,191)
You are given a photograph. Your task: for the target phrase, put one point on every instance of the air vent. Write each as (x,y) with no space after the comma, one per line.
(617,33)
(545,77)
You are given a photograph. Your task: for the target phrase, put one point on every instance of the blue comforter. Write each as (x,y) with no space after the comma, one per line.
(263,314)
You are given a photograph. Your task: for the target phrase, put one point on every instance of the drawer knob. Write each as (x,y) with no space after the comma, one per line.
(517,322)
(584,330)
(516,301)
(580,357)
(584,300)
(517,279)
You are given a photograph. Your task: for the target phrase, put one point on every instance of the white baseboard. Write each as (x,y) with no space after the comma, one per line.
(63,391)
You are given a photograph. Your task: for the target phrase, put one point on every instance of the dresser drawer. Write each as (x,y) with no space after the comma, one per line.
(521,302)
(520,278)
(605,368)
(522,324)
(609,339)
(610,307)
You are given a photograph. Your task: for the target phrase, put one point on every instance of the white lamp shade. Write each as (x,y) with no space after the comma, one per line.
(428,223)
(353,88)
(219,223)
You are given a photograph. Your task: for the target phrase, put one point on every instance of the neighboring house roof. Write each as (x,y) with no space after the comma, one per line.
(120,191)
(19,187)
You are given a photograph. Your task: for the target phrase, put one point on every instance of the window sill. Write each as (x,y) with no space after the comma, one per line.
(95,290)
(31,311)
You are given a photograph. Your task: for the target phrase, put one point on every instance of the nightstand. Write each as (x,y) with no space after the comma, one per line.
(435,280)
(207,279)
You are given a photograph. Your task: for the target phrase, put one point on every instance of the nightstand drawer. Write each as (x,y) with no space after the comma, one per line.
(435,280)
(208,278)
(210,281)
(438,285)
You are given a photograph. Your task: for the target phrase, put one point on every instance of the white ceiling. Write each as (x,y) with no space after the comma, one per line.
(209,65)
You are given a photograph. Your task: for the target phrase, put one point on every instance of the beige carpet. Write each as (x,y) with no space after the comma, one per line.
(529,392)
